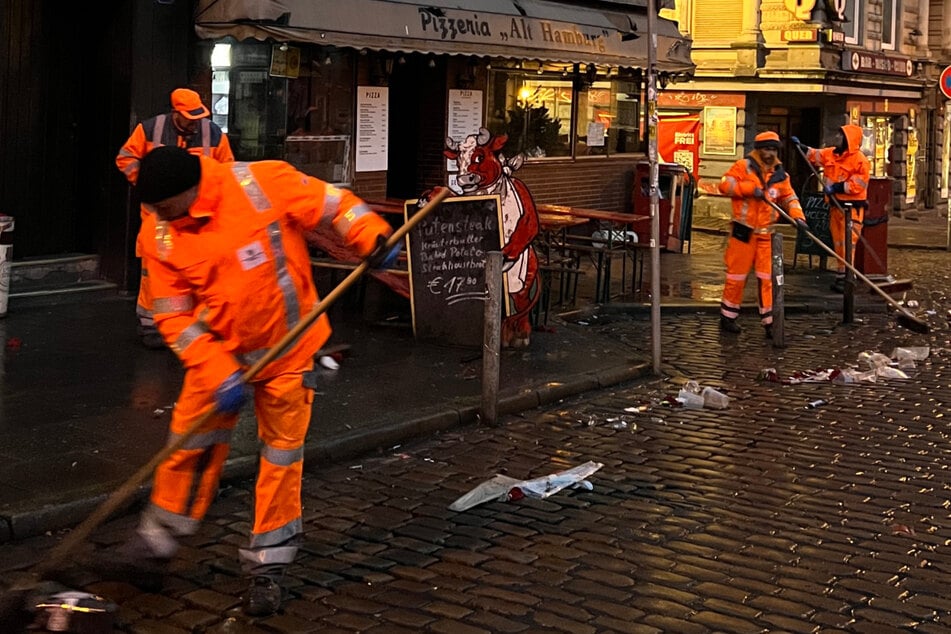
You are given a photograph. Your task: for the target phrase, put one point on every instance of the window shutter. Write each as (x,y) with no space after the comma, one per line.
(716,21)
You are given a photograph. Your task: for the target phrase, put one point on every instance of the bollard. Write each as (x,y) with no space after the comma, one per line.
(779,296)
(492,339)
(6,257)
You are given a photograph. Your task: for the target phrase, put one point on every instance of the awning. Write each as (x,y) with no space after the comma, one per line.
(521,29)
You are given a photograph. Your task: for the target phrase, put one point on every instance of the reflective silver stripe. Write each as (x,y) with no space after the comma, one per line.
(250,358)
(276,537)
(133,165)
(345,223)
(282,457)
(242,171)
(331,204)
(177,304)
(201,441)
(251,560)
(157,131)
(284,281)
(188,336)
(180,524)
(206,137)
(144,315)
(252,190)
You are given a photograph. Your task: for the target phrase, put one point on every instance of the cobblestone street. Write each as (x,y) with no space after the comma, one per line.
(765,517)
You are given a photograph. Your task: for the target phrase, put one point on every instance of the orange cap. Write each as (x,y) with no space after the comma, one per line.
(188,104)
(768,139)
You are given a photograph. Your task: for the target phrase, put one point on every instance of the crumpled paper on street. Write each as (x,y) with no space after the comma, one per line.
(503,488)
(877,366)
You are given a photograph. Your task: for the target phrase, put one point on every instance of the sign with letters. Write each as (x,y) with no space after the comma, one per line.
(446,253)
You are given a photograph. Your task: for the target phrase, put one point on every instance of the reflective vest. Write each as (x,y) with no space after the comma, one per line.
(233,276)
(159,131)
(742,180)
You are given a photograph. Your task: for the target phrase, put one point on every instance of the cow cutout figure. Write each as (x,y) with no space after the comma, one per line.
(485,171)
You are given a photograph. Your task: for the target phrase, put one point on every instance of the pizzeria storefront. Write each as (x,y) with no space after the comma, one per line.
(365,93)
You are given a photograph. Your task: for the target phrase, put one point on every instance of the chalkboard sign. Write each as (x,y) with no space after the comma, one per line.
(816,209)
(446,254)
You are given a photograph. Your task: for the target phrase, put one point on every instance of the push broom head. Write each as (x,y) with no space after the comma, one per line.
(912,323)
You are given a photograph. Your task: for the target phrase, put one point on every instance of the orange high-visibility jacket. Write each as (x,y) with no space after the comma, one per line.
(851,168)
(742,179)
(160,130)
(233,276)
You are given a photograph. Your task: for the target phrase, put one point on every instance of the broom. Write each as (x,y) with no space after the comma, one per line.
(13,599)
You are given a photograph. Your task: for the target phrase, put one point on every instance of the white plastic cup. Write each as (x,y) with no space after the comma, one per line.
(691,400)
(714,399)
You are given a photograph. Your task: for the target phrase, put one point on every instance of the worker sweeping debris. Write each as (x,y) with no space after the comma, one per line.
(269,203)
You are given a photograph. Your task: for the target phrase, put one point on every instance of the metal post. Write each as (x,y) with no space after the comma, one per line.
(654,177)
(779,294)
(491,343)
(848,292)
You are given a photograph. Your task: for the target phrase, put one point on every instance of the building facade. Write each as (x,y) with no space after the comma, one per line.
(804,68)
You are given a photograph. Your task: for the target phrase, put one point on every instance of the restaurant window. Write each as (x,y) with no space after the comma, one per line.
(556,115)
(320,115)
(876,141)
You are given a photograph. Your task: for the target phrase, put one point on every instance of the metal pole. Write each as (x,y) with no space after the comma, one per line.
(654,177)
(779,295)
(491,343)
(848,291)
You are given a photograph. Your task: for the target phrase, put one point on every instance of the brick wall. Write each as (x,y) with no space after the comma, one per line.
(595,184)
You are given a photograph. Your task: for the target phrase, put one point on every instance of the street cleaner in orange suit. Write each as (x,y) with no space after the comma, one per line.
(846,174)
(751,182)
(187,126)
(231,276)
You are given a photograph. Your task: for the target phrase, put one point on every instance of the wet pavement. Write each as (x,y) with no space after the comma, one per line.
(762,517)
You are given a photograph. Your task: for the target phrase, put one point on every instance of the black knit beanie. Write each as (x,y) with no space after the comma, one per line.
(165,172)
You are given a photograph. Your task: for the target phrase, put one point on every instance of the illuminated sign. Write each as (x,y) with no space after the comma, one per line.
(799,35)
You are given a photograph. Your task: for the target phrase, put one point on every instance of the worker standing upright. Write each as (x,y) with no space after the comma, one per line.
(846,174)
(754,182)
(187,126)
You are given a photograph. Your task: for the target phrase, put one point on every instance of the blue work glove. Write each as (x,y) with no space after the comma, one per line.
(230,395)
(795,140)
(835,188)
(758,193)
(802,224)
(383,258)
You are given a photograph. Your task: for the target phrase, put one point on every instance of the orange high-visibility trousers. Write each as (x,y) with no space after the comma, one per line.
(187,482)
(739,258)
(837,229)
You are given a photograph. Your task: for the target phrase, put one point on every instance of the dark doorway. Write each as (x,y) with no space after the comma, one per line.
(403,169)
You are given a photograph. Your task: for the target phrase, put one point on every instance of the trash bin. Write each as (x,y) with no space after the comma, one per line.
(670,177)
(871,253)
(6,256)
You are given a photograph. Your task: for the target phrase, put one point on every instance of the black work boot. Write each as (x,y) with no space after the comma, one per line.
(264,597)
(768,328)
(729,325)
(838,285)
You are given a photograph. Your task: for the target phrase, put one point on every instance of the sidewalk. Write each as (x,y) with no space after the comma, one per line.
(83,406)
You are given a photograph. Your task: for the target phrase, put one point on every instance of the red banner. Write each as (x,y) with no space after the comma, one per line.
(678,141)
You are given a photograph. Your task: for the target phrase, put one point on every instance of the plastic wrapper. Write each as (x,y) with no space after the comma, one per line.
(503,488)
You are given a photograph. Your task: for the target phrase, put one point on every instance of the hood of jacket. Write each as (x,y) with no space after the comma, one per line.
(852,134)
